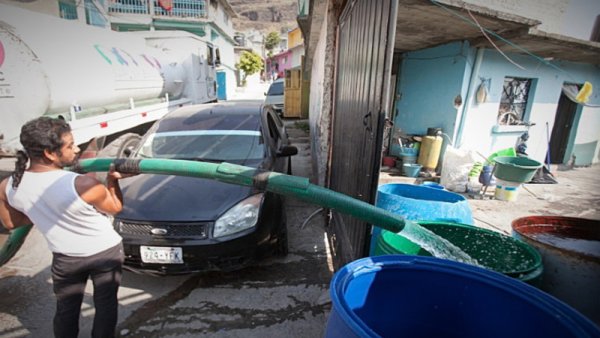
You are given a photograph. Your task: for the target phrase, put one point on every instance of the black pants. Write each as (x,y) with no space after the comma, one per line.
(70,275)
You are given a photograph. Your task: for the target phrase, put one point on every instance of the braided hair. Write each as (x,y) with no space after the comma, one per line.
(43,133)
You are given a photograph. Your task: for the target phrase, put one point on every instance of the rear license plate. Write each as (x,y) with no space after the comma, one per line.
(161,254)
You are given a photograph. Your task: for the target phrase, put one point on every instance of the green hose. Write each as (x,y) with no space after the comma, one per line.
(282,184)
(287,185)
(13,243)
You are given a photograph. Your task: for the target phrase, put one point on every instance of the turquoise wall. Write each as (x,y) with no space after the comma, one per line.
(428,83)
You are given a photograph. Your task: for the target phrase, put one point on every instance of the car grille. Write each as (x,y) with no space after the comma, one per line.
(173,230)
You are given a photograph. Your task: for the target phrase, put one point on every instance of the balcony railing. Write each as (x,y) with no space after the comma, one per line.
(182,9)
(179,8)
(129,7)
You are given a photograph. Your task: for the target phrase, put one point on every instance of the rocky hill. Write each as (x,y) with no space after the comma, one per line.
(265,15)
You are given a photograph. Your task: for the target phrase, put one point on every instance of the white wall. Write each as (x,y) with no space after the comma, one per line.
(574,18)
(588,129)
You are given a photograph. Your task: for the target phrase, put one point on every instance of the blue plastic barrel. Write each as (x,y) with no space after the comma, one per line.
(421,203)
(415,296)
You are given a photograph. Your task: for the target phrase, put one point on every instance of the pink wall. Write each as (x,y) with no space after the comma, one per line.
(283,61)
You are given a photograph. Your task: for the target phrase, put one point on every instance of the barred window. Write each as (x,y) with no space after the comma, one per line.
(513,104)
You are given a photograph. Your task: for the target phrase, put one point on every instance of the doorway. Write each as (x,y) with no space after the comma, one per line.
(561,131)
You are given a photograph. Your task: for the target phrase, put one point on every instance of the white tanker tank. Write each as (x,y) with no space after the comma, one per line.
(52,66)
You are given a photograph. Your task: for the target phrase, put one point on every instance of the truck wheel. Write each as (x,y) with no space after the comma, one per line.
(118,147)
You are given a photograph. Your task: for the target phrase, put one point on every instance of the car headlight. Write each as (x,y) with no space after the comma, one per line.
(241,217)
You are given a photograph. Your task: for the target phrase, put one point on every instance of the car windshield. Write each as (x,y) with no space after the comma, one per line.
(207,145)
(276,88)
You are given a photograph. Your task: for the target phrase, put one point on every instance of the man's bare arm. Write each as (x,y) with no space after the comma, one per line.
(11,218)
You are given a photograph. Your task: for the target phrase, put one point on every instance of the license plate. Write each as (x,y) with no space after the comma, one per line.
(161,254)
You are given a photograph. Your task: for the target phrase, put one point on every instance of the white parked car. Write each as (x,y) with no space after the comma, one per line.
(274,96)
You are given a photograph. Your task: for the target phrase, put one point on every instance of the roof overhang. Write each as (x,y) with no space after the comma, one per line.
(553,46)
(423,24)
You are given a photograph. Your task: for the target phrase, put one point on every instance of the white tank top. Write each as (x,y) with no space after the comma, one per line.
(70,225)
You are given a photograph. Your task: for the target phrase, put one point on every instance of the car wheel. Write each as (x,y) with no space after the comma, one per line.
(282,247)
(289,166)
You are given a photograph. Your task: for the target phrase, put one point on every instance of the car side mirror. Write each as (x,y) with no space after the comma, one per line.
(287,151)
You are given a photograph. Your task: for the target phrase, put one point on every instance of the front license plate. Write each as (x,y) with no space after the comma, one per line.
(161,254)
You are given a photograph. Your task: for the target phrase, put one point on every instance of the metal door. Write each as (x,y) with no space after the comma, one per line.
(221,86)
(365,49)
(561,132)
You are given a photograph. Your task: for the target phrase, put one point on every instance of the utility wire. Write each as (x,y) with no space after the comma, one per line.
(453,12)
(492,42)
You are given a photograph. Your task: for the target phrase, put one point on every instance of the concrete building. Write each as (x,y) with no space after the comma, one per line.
(288,58)
(422,64)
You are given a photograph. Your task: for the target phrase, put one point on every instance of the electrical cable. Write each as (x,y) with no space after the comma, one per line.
(309,217)
(492,42)
(512,44)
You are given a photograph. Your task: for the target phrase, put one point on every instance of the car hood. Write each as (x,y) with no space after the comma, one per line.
(150,197)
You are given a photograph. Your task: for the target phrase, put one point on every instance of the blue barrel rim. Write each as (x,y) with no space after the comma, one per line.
(441,195)
(576,322)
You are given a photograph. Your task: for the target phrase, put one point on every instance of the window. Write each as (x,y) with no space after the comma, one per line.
(93,15)
(67,9)
(514,104)
(276,88)
(217,57)
(209,56)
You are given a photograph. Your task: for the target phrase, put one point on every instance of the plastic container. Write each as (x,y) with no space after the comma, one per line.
(434,185)
(491,249)
(570,249)
(516,169)
(397,150)
(408,159)
(485,176)
(430,152)
(416,202)
(508,152)
(389,161)
(414,296)
(506,191)
(411,169)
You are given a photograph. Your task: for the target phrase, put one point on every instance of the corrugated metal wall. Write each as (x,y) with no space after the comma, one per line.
(365,50)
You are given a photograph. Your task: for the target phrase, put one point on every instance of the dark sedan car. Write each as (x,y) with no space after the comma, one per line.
(177,224)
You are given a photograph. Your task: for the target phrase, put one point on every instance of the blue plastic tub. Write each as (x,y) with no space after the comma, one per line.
(434,185)
(411,169)
(414,296)
(420,203)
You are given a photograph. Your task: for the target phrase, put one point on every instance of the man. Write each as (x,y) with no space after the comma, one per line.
(69,210)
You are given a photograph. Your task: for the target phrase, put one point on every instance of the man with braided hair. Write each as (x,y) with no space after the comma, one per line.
(69,210)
